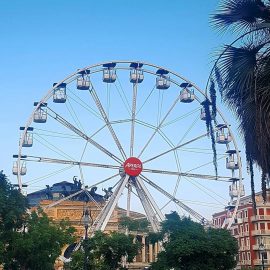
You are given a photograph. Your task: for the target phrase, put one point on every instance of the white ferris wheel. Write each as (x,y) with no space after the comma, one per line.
(138,128)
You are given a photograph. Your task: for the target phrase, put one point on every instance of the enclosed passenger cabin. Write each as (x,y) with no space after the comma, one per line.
(83,80)
(15,169)
(40,115)
(163,79)
(109,73)
(28,137)
(136,73)
(59,93)
(223,135)
(231,160)
(229,212)
(235,188)
(203,114)
(186,94)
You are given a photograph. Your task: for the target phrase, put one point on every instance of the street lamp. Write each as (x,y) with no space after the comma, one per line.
(86,220)
(262,251)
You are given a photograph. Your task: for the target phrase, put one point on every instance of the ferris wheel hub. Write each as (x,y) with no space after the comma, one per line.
(133,166)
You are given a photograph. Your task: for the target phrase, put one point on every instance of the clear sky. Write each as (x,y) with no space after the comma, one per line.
(44,41)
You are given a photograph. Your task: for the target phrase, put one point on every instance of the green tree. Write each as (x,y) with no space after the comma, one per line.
(139,225)
(189,246)
(104,252)
(241,73)
(28,241)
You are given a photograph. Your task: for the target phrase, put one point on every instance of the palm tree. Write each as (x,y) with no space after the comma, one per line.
(242,75)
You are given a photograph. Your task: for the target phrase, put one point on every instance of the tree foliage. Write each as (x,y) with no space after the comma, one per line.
(139,225)
(104,252)
(28,241)
(242,73)
(189,246)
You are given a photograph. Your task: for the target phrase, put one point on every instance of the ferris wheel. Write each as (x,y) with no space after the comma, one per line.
(139,129)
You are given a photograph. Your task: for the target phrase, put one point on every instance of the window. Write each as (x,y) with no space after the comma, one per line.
(248,242)
(257,226)
(259,240)
(261,211)
(247,227)
(246,214)
(248,256)
(241,229)
(242,242)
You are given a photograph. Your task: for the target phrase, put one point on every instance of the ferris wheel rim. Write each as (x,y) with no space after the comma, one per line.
(49,94)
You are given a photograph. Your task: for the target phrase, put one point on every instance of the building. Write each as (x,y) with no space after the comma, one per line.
(252,231)
(73,210)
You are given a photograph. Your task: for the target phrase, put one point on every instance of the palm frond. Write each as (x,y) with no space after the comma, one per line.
(263,181)
(250,163)
(219,80)
(237,68)
(242,74)
(213,97)
(209,126)
(240,14)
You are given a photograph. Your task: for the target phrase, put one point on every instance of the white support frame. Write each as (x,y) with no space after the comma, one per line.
(151,216)
(104,216)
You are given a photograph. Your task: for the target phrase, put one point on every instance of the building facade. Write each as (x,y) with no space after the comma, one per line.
(252,231)
(73,210)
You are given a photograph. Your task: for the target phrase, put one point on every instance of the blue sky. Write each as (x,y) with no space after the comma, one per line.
(44,41)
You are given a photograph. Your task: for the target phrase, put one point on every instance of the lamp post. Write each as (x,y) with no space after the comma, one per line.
(86,219)
(262,251)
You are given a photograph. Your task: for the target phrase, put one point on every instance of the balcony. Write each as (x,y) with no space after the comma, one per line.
(256,247)
(259,262)
(246,262)
(260,217)
(260,232)
(245,219)
(242,248)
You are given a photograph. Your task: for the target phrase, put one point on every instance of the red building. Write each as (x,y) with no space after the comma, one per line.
(251,230)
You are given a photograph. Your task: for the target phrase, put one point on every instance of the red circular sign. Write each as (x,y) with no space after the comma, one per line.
(133,166)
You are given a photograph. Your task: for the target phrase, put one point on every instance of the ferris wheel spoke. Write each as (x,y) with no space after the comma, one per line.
(188,130)
(147,98)
(71,162)
(194,175)
(63,199)
(133,114)
(159,126)
(177,201)
(179,118)
(104,216)
(177,147)
(205,164)
(80,191)
(68,125)
(150,198)
(106,120)
(151,216)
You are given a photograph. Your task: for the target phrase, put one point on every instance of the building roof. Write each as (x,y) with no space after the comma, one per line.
(63,189)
